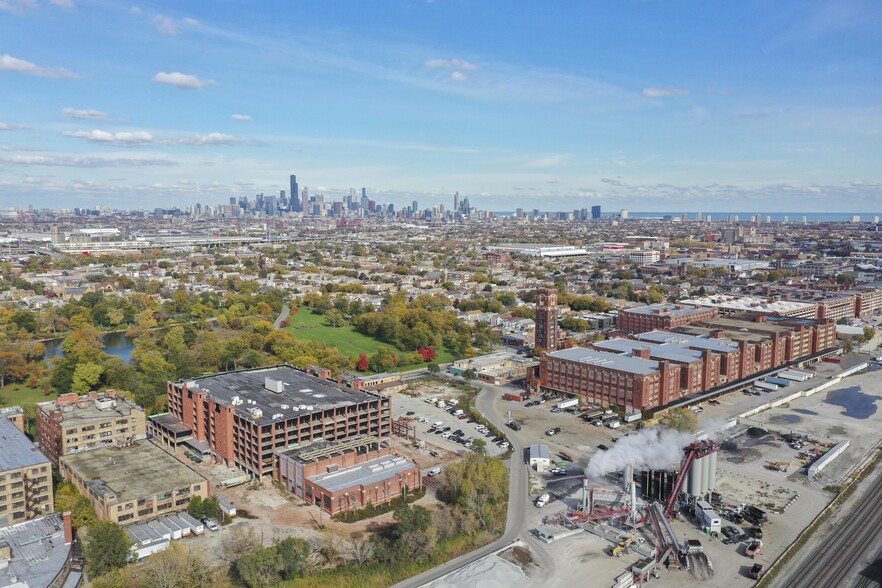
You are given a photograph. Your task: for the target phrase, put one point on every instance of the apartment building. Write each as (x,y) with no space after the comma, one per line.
(25,477)
(73,423)
(662,316)
(133,484)
(244,416)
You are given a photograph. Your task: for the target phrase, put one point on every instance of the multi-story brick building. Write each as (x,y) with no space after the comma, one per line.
(662,316)
(133,484)
(25,477)
(73,423)
(245,416)
(346,475)
(658,367)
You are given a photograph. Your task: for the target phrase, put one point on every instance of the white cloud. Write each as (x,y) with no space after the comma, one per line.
(192,22)
(69,4)
(181,80)
(450,64)
(242,117)
(458,76)
(135,10)
(165,24)
(122,138)
(10,63)
(662,92)
(86,161)
(8,126)
(17,6)
(89,114)
(211,139)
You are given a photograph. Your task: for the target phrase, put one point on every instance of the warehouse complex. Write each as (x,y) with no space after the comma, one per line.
(662,316)
(654,368)
(245,416)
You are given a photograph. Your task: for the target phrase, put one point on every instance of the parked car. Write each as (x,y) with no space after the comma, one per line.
(543,500)
(602,447)
(713,402)
(559,471)
(730,531)
(555,409)
(553,431)
(410,413)
(504,445)
(210,523)
(434,471)
(446,434)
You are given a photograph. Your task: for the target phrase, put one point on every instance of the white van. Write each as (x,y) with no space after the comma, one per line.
(438,424)
(434,471)
(543,500)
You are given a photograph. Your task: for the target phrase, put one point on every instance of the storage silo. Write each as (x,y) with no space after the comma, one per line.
(710,472)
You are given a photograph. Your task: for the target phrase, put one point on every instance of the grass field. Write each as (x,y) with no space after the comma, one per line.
(19,395)
(314,327)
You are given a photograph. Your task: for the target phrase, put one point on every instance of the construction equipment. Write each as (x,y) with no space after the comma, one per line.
(778,466)
(622,547)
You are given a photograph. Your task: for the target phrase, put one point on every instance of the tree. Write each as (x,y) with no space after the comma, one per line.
(335,318)
(293,557)
(176,567)
(68,499)
(86,376)
(869,333)
(363,362)
(13,366)
(470,374)
(681,419)
(236,542)
(383,360)
(434,368)
(259,567)
(106,547)
(479,486)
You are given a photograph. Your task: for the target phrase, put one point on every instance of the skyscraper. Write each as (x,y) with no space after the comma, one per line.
(295,202)
(547,330)
(304,200)
(456,203)
(595,212)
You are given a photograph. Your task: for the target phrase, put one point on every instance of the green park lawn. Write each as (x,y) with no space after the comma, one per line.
(16,394)
(313,327)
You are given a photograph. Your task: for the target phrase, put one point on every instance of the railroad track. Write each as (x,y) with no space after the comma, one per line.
(833,563)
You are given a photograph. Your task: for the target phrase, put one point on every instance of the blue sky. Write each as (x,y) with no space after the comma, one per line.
(646,105)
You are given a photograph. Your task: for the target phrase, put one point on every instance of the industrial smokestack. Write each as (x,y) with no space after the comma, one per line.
(633,501)
(628,477)
(68,528)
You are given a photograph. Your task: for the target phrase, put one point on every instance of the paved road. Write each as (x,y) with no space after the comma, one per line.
(515,524)
(844,546)
(286,310)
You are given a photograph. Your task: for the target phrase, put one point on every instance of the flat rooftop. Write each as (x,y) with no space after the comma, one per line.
(170,423)
(367,473)
(86,411)
(751,303)
(16,450)
(669,351)
(38,551)
(301,392)
(686,340)
(325,449)
(665,309)
(137,471)
(615,361)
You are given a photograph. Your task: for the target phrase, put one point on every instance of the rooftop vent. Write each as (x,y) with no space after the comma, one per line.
(275,386)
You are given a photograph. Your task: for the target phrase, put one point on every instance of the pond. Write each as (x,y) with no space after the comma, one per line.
(118,344)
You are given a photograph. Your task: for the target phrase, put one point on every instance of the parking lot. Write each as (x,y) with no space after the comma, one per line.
(425,417)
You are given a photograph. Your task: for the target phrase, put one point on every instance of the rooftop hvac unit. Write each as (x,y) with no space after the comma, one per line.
(285,407)
(276,386)
(256,413)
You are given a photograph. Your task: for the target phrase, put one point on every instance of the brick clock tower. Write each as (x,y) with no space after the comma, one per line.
(547,330)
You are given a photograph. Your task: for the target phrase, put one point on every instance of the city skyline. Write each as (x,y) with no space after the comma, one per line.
(644,107)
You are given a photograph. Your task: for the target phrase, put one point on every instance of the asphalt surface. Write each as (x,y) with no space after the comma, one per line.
(518,497)
(841,552)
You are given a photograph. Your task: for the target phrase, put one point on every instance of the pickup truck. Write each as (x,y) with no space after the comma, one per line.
(543,500)
(753,548)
